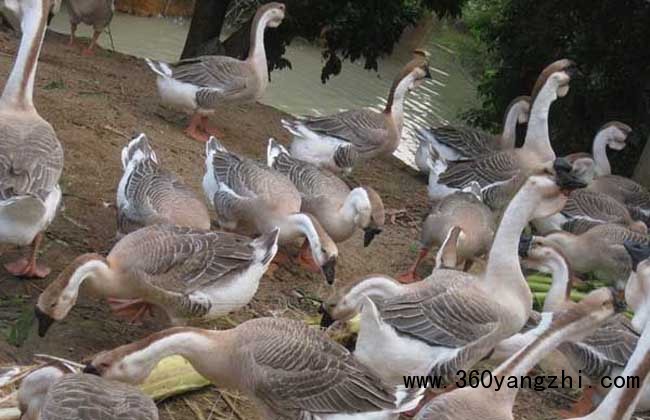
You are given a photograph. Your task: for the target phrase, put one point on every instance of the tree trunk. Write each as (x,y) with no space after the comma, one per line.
(642,171)
(206,25)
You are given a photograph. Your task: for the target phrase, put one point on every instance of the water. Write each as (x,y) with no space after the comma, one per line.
(300,91)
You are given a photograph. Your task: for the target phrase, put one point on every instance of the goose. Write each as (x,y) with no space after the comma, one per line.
(201,84)
(339,210)
(186,272)
(621,403)
(586,209)
(496,401)
(248,194)
(612,135)
(599,250)
(288,369)
(466,211)
(497,167)
(339,142)
(451,319)
(626,191)
(31,156)
(606,351)
(148,194)
(95,13)
(53,393)
(454,143)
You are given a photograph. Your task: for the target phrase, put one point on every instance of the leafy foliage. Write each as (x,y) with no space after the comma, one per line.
(607,39)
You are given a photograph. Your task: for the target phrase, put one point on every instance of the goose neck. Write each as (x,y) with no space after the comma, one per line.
(395,103)
(372,287)
(599,152)
(19,89)
(560,286)
(509,133)
(537,136)
(257,51)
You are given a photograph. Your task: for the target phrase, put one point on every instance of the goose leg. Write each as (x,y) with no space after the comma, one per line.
(90,49)
(27,267)
(132,310)
(411,275)
(306,260)
(73,30)
(209,128)
(195,129)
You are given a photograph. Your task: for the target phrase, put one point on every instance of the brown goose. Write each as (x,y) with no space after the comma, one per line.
(290,370)
(187,273)
(148,194)
(340,141)
(339,210)
(498,167)
(626,191)
(496,401)
(52,393)
(31,157)
(455,143)
(96,13)
(467,212)
(201,84)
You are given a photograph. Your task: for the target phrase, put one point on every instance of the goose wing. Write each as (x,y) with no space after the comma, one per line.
(310,180)
(486,170)
(299,371)
(226,75)
(364,128)
(631,192)
(595,206)
(89,397)
(468,142)
(183,260)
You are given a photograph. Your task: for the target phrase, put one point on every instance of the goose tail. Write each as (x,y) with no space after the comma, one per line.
(274,150)
(138,149)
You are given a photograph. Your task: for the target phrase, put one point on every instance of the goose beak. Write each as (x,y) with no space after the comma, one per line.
(44,321)
(326,320)
(427,73)
(565,179)
(91,370)
(329,270)
(620,305)
(525,243)
(369,234)
(637,252)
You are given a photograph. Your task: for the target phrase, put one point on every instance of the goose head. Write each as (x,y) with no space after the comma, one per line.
(538,255)
(33,390)
(138,149)
(114,364)
(377,217)
(273,12)
(616,134)
(595,308)
(546,195)
(556,77)
(61,295)
(418,69)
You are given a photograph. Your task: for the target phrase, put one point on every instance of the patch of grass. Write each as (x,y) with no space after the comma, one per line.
(19,330)
(54,84)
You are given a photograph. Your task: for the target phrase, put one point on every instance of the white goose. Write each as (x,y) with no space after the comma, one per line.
(31,157)
(612,135)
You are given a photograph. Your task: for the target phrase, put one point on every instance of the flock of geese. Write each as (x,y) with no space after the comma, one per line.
(486,192)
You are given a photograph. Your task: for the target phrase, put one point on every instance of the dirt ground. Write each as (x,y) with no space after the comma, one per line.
(95,105)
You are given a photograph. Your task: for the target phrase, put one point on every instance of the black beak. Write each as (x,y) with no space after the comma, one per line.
(44,321)
(329,270)
(638,252)
(427,73)
(564,177)
(620,305)
(573,71)
(525,243)
(369,234)
(326,320)
(91,370)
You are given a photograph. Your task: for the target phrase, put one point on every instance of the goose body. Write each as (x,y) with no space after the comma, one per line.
(339,142)
(31,156)
(51,394)
(95,13)
(456,318)
(497,404)
(339,210)
(501,166)
(188,273)
(289,369)
(627,192)
(251,196)
(455,143)
(149,194)
(202,84)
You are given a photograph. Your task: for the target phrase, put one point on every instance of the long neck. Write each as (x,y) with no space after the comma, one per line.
(203,349)
(599,151)
(509,133)
(619,403)
(395,102)
(19,90)
(310,228)
(356,208)
(557,295)
(503,273)
(537,137)
(256,50)
(375,286)
(94,270)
